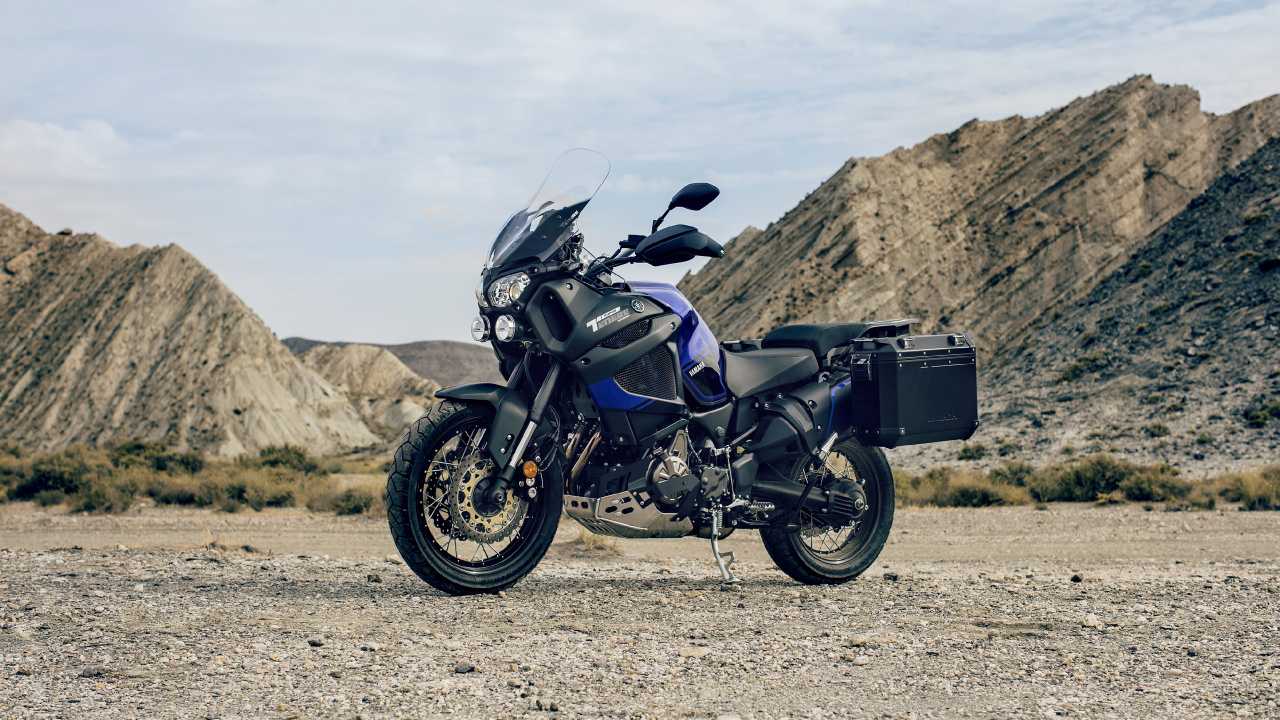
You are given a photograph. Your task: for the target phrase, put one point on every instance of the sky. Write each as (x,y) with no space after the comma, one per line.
(344,167)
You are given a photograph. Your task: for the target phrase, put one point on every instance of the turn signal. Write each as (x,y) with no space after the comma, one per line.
(530,469)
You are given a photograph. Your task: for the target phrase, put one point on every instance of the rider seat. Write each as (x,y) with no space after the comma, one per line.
(822,338)
(755,371)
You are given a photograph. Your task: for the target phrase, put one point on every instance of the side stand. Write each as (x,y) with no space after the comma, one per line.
(717,519)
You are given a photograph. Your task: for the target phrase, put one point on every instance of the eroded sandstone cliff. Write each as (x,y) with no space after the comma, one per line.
(387,394)
(100,343)
(984,228)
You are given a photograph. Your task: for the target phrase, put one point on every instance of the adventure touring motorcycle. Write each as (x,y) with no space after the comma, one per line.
(621,408)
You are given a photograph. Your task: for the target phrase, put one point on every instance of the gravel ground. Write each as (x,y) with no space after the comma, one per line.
(223,633)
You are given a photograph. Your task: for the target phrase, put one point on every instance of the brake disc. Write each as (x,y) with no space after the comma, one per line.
(472,519)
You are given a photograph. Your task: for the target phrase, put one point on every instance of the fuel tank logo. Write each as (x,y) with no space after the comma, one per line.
(637,305)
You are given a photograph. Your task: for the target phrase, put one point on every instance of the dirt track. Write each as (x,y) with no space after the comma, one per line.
(1176,616)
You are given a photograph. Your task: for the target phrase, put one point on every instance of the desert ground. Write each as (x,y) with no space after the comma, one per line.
(1078,611)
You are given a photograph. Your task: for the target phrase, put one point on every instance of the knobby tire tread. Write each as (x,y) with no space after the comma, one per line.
(786,548)
(401,515)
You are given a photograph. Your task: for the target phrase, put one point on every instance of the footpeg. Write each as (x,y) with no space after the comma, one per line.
(717,520)
(759,508)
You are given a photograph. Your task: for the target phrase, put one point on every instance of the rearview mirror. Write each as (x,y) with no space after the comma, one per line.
(693,196)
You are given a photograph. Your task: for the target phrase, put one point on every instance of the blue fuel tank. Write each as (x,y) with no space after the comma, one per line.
(701,364)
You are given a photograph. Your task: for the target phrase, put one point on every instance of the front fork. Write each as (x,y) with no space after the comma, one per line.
(498,491)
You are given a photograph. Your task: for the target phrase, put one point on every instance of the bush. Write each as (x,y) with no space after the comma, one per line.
(1080,482)
(155,455)
(69,472)
(287,456)
(1256,418)
(1156,430)
(188,462)
(167,491)
(14,451)
(1260,412)
(1253,489)
(976,451)
(1200,498)
(354,501)
(1083,365)
(1112,498)
(1014,473)
(47,498)
(111,494)
(14,471)
(1158,483)
(948,487)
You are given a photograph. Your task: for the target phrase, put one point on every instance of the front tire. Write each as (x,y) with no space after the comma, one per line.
(815,554)
(427,528)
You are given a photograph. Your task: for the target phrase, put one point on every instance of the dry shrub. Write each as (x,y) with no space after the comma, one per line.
(589,542)
(1155,483)
(1253,489)
(49,498)
(1200,498)
(111,480)
(353,501)
(15,467)
(70,471)
(1015,473)
(1096,476)
(950,487)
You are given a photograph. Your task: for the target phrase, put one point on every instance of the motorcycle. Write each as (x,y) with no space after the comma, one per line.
(623,411)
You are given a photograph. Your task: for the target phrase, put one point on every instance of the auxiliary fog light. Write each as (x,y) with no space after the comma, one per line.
(480,329)
(505,328)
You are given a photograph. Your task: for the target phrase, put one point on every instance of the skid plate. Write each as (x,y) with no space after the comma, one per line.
(622,515)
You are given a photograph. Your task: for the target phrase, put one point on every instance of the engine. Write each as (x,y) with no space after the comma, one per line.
(633,493)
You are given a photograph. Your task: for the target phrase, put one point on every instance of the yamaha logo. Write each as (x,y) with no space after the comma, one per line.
(637,305)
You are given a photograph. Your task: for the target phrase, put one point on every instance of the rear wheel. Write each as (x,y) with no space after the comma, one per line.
(442,523)
(818,553)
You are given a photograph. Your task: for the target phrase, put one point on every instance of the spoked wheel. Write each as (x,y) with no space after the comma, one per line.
(818,553)
(446,529)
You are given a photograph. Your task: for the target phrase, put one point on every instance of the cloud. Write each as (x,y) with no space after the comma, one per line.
(40,151)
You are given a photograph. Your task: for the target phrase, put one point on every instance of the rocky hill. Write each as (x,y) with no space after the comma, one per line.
(100,343)
(444,361)
(387,395)
(1171,357)
(1116,258)
(983,228)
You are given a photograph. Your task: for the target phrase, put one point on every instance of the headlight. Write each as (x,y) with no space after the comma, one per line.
(480,294)
(480,329)
(505,328)
(508,289)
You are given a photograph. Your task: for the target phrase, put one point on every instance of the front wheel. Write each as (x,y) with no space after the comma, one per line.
(443,524)
(819,554)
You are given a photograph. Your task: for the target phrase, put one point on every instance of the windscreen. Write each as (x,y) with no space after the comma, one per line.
(538,230)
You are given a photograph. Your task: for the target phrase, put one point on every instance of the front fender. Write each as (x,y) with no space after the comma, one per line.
(476,392)
(512,411)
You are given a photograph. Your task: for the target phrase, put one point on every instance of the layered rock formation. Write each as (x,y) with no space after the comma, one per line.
(100,343)
(444,361)
(1167,357)
(387,395)
(984,228)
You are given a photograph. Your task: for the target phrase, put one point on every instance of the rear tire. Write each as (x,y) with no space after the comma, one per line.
(437,445)
(837,555)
